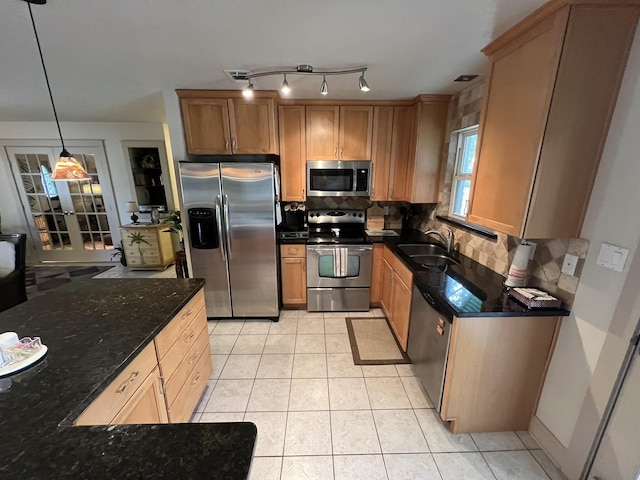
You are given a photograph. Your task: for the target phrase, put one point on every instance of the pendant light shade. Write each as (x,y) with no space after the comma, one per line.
(248,90)
(324,88)
(285,89)
(362,84)
(67,167)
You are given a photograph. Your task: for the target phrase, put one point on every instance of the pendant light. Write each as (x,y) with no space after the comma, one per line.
(362,83)
(324,88)
(285,89)
(248,90)
(67,167)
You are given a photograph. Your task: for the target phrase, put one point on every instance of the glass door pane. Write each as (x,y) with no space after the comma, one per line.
(72,220)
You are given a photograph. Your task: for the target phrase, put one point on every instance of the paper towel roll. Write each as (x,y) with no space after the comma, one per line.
(517,276)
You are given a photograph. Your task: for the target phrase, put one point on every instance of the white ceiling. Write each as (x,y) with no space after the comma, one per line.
(110,60)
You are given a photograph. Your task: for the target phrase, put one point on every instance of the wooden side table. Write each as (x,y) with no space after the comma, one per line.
(147,246)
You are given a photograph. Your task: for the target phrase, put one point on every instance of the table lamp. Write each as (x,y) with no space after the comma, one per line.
(132,207)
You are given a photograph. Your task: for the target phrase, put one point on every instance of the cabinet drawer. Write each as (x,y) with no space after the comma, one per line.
(186,401)
(403,272)
(170,334)
(104,408)
(183,344)
(149,260)
(292,250)
(186,365)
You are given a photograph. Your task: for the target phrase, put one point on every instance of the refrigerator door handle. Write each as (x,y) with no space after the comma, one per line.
(219,226)
(227,227)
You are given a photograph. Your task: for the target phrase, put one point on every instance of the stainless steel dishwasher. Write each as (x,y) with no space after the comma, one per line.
(428,346)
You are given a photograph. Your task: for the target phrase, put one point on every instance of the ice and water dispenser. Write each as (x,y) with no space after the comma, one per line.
(203,230)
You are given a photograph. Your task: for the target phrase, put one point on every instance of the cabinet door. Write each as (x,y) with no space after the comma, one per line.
(253,127)
(381,152)
(386,300)
(146,405)
(356,133)
(322,133)
(401,311)
(401,151)
(514,119)
(293,152)
(206,126)
(294,281)
(376,275)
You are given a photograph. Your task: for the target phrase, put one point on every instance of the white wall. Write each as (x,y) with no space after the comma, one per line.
(111,134)
(611,217)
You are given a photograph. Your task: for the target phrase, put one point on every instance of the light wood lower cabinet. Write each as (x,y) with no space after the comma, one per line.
(376,275)
(397,281)
(293,266)
(146,405)
(495,371)
(165,381)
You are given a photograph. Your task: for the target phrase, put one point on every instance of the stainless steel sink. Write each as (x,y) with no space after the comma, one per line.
(421,249)
(437,260)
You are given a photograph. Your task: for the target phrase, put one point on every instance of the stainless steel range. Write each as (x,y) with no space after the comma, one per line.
(339,260)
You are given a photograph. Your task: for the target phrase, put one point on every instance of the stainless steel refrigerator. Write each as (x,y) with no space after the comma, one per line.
(229,214)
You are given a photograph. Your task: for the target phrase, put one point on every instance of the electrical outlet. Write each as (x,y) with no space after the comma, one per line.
(385,210)
(569,264)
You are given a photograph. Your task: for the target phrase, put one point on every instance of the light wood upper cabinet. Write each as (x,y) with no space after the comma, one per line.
(323,132)
(214,125)
(381,153)
(401,150)
(206,126)
(356,132)
(546,116)
(292,123)
(339,133)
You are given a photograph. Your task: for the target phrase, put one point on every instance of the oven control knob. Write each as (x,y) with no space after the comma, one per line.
(360,215)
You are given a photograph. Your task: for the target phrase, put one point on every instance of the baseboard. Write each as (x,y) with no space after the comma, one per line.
(554,449)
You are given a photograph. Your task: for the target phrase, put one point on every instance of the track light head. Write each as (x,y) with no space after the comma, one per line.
(248,90)
(362,84)
(285,89)
(324,88)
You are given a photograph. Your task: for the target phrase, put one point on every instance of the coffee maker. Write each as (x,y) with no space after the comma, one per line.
(294,224)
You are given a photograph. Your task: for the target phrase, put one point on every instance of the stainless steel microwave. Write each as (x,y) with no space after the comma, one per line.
(334,178)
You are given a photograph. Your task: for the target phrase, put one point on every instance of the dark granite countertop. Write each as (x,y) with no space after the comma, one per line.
(93,328)
(465,290)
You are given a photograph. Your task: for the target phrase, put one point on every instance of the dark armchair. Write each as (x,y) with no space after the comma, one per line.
(13,289)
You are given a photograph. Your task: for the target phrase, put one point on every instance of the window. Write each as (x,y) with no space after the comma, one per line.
(465,160)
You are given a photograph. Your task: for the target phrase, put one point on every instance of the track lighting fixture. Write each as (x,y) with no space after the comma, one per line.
(285,86)
(248,90)
(66,167)
(362,84)
(324,88)
(247,76)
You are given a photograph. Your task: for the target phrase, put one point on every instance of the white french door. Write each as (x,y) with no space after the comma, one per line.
(71,221)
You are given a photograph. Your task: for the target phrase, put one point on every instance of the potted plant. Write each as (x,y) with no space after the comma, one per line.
(138,239)
(118,251)
(174,224)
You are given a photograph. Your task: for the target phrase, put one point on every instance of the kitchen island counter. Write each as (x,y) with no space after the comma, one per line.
(93,329)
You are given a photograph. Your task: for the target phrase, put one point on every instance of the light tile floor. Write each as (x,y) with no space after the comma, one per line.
(319,416)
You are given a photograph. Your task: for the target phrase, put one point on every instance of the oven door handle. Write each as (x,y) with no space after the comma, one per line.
(331,249)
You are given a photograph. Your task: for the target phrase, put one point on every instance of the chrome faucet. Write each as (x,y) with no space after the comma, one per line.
(448,240)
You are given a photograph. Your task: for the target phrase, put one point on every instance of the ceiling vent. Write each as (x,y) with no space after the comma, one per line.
(240,76)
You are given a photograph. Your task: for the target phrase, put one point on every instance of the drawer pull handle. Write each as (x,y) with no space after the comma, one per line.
(193,358)
(195,379)
(190,337)
(188,313)
(132,379)
(292,250)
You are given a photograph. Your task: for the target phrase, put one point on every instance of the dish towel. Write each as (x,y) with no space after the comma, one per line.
(340,262)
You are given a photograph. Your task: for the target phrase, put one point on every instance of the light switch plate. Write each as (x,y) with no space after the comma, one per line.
(569,264)
(385,210)
(612,256)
